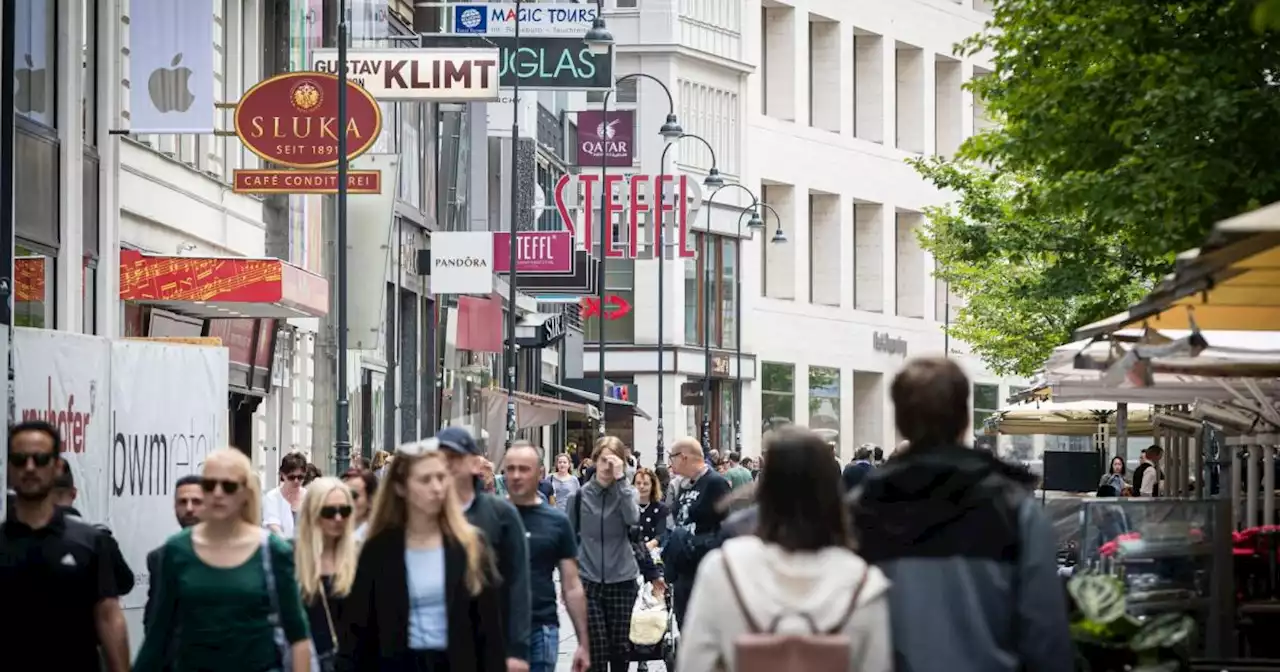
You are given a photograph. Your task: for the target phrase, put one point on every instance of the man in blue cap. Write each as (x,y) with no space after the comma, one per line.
(504,531)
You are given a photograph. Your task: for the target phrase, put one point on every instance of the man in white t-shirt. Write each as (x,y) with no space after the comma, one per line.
(280,506)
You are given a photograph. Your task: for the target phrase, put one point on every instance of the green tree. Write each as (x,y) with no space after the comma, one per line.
(1124,131)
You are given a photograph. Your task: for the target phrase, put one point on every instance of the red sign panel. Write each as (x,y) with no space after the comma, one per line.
(306,182)
(292,120)
(604,138)
(615,307)
(629,199)
(540,252)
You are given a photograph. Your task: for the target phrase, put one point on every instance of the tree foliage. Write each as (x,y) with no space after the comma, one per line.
(1124,131)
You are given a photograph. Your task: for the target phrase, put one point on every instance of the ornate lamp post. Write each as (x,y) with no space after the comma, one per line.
(755,223)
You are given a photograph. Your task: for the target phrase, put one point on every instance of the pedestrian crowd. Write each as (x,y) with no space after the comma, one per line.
(433,558)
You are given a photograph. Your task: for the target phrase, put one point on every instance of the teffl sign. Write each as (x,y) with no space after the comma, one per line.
(292,120)
(631,203)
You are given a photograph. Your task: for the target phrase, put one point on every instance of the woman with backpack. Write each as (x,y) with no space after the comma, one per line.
(794,597)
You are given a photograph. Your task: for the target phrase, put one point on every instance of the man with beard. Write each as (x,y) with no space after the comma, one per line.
(57,569)
(64,496)
(188,499)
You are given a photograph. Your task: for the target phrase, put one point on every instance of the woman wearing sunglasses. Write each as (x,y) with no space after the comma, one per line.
(226,584)
(363,485)
(324,554)
(425,596)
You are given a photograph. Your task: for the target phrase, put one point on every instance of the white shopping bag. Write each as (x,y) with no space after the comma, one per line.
(648,618)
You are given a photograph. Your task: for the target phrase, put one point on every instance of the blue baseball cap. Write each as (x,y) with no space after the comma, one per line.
(458,440)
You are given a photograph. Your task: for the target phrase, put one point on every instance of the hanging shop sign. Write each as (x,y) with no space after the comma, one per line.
(883,342)
(543,63)
(605,138)
(461,262)
(537,252)
(632,208)
(545,19)
(306,181)
(614,308)
(582,281)
(437,75)
(291,120)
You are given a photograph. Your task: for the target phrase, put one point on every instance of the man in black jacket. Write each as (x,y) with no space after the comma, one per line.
(697,519)
(188,500)
(504,531)
(64,496)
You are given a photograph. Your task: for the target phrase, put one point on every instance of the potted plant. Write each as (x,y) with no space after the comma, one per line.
(1108,639)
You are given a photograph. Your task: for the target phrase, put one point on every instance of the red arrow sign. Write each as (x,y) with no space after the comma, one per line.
(618,307)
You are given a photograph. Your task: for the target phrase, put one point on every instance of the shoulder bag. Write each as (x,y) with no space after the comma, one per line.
(283,646)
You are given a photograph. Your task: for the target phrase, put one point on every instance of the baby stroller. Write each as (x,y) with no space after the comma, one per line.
(664,649)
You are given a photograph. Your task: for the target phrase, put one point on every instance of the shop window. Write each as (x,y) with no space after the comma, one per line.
(36,50)
(986,401)
(777,393)
(824,402)
(35,273)
(619,282)
(710,280)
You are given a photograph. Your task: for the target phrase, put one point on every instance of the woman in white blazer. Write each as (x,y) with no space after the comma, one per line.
(280,506)
(797,572)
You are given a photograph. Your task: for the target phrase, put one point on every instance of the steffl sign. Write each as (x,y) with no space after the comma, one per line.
(631,206)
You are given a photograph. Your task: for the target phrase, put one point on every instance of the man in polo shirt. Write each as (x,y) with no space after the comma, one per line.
(55,569)
(500,522)
(64,496)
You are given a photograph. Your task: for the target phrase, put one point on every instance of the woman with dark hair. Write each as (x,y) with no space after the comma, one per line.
(799,570)
(363,485)
(1115,476)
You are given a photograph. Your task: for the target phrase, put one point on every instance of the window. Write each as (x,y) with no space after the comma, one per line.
(777,393)
(627,91)
(88,296)
(824,401)
(34,270)
(36,51)
(89,73)
(549,175)
(986,401)
(619,281)
(713,114)
(710,285)
(411,154)
(627,4)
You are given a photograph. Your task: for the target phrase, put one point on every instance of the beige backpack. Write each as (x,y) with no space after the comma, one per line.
(764,650)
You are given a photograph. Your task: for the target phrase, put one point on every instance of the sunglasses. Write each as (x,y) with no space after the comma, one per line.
(331,512)
(211,484)
(21,460)
(296,478)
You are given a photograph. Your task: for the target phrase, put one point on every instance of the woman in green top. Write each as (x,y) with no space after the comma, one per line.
(213,585)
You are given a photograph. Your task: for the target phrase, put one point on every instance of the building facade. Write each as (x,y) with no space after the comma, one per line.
(814,106)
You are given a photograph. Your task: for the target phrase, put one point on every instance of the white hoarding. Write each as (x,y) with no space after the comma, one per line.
(168,411)
(63,378)
(461,262)
(440,75)
(543,19)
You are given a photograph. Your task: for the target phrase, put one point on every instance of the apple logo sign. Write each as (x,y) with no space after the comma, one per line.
(31,83)
(170,88)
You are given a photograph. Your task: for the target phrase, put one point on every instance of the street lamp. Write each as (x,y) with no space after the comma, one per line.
(754,224)
(342,435)
(712,181)
(598,40)
(512,239)
(670,130)
(706,310)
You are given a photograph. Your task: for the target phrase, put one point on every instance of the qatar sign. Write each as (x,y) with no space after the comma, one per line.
(604,138)
(632,207)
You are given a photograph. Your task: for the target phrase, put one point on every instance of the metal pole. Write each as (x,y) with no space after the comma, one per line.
(660,242)
(343,444)
(513,274)
(8,56)
(706,332)
(737,323)
(604,236)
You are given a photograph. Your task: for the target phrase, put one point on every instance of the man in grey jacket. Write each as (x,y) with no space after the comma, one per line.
(969,551)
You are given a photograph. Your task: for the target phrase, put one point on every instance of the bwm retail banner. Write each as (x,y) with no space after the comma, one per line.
(371,227)
(168,412)
(171,86)
(62,378)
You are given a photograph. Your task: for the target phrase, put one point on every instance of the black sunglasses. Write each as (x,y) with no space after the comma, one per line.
(21,460)
(295,477)
(211,484)
(331,512)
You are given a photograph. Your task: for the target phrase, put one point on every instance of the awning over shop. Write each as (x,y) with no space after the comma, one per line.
(222,287)
(592,399)
(1068,418)
(1230,284)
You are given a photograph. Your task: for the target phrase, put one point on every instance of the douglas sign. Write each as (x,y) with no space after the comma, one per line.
(292,120)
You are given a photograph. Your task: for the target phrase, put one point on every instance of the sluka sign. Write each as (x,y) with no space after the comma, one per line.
(631,206)
(292,120)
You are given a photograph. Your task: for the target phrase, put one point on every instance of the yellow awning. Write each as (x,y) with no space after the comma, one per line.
(1231,284)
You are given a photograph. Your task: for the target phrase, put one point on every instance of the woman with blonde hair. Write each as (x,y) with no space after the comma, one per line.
(227,585)
(425,596)
(379,465)
(324,555)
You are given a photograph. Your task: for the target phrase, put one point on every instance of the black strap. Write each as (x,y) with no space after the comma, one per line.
(577,514)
